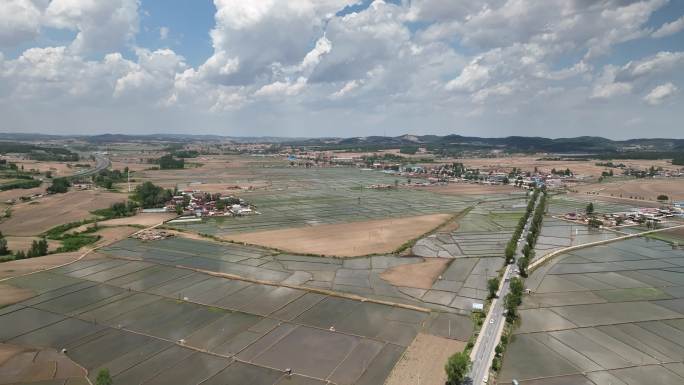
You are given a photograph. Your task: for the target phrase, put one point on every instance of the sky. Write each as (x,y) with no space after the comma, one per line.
(342,68)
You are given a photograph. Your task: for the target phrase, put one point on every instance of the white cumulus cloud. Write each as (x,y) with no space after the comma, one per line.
(660,94)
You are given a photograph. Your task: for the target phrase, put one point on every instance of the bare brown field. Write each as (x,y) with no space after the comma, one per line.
(18,193)
(468,189)
(10,295)
(528,163)
(418,275)
(216,174)
(57,168)
(648,189)
(114,234)
(23,365)
(142,219)
(346,239)
(423,361)
(33,218)
(24,243)
(25,266)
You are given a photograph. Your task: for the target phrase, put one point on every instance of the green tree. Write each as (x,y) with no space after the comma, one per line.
(517,286)
(104,378)
(3,245)
(663,197)
(511,303)
(59,186)
(590,208)
(493,287)
(457,368)
(150,195)
(523,262)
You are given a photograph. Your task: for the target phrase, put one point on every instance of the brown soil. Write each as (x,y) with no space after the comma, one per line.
(36,217)
(647,189)
(423,362)
(24,243)
(114,234)
(25,266)
(57,168)
(143,219)
(18,193)
(10,295)
(347,239)
(21,365)
(528,163)
(419,275)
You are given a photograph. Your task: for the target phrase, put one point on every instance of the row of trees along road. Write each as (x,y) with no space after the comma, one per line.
(459,364)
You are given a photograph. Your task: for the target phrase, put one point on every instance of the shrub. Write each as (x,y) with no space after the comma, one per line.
(457,368)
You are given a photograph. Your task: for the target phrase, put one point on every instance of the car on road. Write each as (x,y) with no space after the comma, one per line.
(491,321)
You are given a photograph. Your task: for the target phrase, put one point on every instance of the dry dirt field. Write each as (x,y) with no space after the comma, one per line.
(25,266)
(21,365)
(33,218)
(10,295)
(347,239)
(114,234)
(224,170)
(24,243)
(648,189)
(528,163)
(57,168)
(418,275)
(423,361)
(17,193)
(142,219)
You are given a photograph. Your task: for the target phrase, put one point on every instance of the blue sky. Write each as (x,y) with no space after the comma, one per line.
(342,67)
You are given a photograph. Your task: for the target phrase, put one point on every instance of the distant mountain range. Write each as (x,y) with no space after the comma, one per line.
(582,144)
(448,143)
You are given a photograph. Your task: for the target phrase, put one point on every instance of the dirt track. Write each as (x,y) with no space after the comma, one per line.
(347,239)
(36,217)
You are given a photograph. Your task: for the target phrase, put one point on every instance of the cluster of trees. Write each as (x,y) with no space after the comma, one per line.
(457,368)
(107,178)
(593,221)
(535,229)
(4,250)
(514,298)
(186,154)
(149,195)
(39,153)
(565,172)
(607,173)
(118,210)
(493,287)
(610,164)
(168,162)
(22,184)
(678,160)
(59,186)
(38,249)
(43,156)
(512,245)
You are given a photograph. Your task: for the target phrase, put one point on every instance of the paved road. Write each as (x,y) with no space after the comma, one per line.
(101,163)
(490,334)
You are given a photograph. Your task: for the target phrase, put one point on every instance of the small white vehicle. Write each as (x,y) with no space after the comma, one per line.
(491,321)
